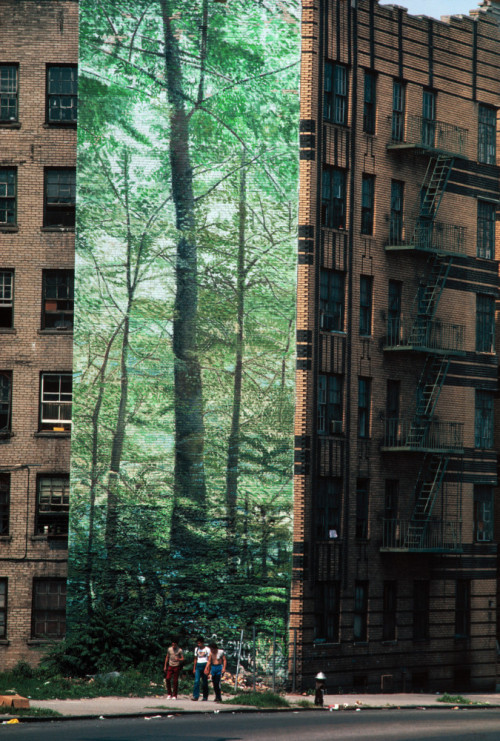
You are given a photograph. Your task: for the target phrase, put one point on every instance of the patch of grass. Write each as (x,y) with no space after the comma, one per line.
(305,704)
(455,699)
(258,700)
(31,712)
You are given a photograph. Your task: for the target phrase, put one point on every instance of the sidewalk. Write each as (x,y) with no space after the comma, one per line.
(150,706)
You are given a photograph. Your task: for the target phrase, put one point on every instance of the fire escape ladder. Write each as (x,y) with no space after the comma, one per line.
(435,182)
(428,486)
(430,292)
(428,390)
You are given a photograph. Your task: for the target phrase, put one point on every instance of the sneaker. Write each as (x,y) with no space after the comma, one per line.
(205,699)
(169,697)
(194,699)
(174,697)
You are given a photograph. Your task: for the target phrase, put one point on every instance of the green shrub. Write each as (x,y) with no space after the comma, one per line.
(259,700)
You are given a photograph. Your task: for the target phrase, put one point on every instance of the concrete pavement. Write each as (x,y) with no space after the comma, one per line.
(159,705)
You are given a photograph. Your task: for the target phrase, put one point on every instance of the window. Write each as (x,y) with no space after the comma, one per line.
(4,503)
(60,196)
(483,427)
(52,506)
(55,407)
(398,111)
(486,230)
(360,617)
(3,608)
(462,608)
(394,312)
(62,83)
(330,403)
(362,489)
(392,421)
(396,215)
(6,299)
(8,93)
(367,203)
(483,513)
(328,506)
(391,499)
(364,389)
(365,304)
(327,612)
(420,610)
(428,117)
(485,323)
(389,611)
(335,95)
(333,198)
(8,193)
(5,402)
(486,149)
(332,300)
(49,608)
(370,103)
(57,299)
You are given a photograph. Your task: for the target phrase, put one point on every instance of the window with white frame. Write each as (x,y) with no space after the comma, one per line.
(52,506)
(55,402)
(9,74)
(62,88)
(6,299)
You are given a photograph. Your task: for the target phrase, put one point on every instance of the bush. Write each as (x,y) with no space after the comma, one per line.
(259,700)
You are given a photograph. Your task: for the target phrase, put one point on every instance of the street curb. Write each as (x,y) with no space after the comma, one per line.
(250,711)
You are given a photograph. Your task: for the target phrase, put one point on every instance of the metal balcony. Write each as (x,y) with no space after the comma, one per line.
(426,236)
(438,536)
(424,335)
(425,135)
(420,435)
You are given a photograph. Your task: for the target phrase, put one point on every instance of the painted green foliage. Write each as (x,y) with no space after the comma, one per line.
(183,412)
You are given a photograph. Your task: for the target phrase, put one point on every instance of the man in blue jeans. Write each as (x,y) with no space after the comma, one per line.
(201,654)
(216,666)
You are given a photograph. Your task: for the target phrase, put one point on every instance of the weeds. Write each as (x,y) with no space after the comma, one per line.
(259,700)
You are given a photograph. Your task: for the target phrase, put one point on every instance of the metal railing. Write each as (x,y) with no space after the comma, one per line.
(434,135)
(435,535)
(425,335)
(422,435)
(427,236)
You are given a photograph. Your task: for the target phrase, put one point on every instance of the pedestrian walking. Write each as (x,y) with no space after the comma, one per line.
(201,654)
(216,666)
(174,661)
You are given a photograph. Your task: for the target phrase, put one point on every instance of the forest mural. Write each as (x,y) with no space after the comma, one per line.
(185,293)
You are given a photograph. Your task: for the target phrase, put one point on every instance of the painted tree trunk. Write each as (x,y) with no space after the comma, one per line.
(189,470)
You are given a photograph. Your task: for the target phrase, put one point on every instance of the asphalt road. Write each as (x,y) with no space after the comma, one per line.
(367,725)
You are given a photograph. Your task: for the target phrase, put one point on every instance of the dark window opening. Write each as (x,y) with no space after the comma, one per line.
(333,198)
(5,402)
(370,101)
(396,215)
(487,135)
(9,75)
(8,196)
(364,401)
(328,508)
(49,608)
(367,203)
(3,608)
(332,300)
(483,513)
(62,88)
(57,299)
(391,499)
(327,612)
(335,93)
(483,427)
(4,503)
(486,213)
(428,117)
(485,323)
(6,299)
(398,111)
(330,404)
(394,312)
(52,506)
(56,398)
(365,304)
(60,197)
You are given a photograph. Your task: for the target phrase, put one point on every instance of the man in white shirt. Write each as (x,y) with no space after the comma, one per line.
(201,654)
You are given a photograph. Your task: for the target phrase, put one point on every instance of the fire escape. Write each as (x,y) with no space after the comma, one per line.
(439,341)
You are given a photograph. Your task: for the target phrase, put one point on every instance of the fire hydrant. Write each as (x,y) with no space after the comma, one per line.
(320,688)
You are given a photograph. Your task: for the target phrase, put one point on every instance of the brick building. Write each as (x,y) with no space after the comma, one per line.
(38,76)
(395,568)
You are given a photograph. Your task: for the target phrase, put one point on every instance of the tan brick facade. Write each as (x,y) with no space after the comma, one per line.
(395,567)
(33,546)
